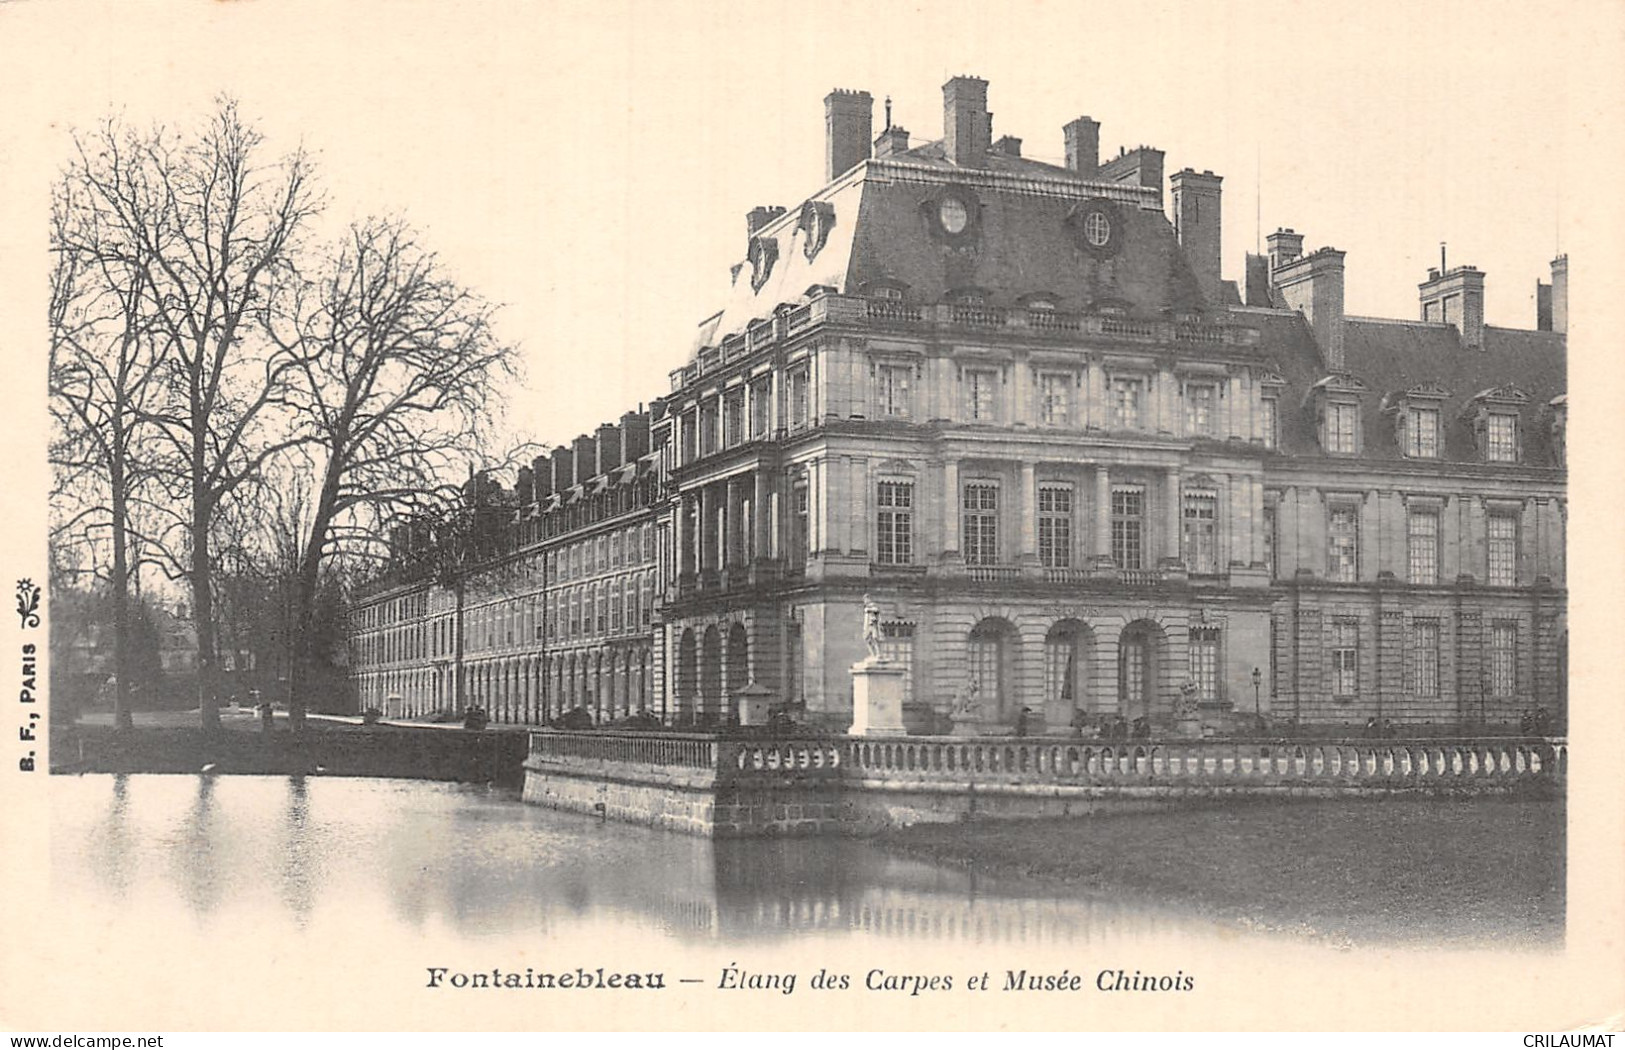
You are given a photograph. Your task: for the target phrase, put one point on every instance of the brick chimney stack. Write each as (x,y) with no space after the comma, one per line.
(1456,296)
(1196,224)
(1560,294)
(848,127)
(1083,146)
(1312,285)
(967,126)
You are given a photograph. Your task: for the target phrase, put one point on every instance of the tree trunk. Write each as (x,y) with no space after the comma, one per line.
(122,718)
(203,617)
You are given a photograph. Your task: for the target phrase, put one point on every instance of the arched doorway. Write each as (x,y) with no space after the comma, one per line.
(1141,654)
(1067,650)
(710,673)
(738,667)
(991,655)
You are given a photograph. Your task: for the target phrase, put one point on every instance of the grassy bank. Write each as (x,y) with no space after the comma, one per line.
(1452,871)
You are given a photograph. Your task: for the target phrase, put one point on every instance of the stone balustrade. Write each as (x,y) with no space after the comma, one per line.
(1059,761)
(728,785)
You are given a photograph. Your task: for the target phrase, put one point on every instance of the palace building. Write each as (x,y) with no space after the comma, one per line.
(1018,406)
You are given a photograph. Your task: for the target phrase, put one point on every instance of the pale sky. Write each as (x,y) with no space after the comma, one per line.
(590,165)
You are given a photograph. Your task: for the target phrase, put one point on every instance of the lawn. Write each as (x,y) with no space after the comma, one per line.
(1458,871)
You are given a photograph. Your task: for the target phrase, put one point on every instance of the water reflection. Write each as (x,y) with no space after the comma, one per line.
(326,852)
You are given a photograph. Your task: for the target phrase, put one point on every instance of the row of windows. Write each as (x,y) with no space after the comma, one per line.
(979,526)
(633,545)
(1422,539)
(1421,436)
(1500,676)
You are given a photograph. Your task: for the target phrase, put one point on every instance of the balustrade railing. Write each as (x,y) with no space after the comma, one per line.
(1050,760)
(691,750)
(1332,762)
(993,573)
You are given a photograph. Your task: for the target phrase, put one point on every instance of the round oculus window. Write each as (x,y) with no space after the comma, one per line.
(953,215)
(1097,229)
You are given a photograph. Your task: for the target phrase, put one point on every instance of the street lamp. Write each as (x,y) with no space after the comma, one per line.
(1258,716)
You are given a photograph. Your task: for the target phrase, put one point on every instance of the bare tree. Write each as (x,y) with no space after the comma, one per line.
(217,231)
(104,363)
(398,370)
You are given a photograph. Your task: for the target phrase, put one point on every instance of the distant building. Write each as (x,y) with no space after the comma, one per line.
(1019,405)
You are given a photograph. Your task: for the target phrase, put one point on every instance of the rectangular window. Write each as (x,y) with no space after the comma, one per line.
(894,543)
(1271,541)
(1422,436)
(1055,526)
(1422,544)
(1126,400)
(1204,664)
(1342,544)
(1503,658)
(691,436)
(981,395)
(801,525)
(761,404)
(708,427)
(1200,399)
(894,391)
(1270,424)
(1425,657)
(733,417)
(1055,398)
(1340,428)
(1501,438)
(1201,533)
(797,397)
(981,524)
(1345,663)
(1503,549)
(1128,527)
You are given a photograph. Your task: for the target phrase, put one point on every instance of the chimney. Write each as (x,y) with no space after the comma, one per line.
(586,457)
(1285,246)
(541,471)
(635,435)
(525,487)
(1138,167)
(564,470)
(1008,145)
(1196,224)
(848,125)
(1543,306)
(1313,286)
(967,127)
(1083,146)
(609,447)
(1456,296)
(891,141)
(1560,294)
(760,216)
(1257,292)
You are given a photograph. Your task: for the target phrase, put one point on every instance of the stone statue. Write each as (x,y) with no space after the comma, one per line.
(871,627)
(1187,699)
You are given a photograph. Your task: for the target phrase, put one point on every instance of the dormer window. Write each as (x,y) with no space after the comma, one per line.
(890,293)
(968,297)
(1422,432)
(1342,429)
(1501,438)
(1494,416)
(1337,408)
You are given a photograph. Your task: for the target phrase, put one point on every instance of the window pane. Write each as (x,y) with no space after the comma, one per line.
(1423,437)
(1425,658)
(981,524)
(1423,541)
(1343,545)
(1503,550)
(1126,402)
(1055,527)
(1128,510)
(1502,438)
(1201,520)
(895,528)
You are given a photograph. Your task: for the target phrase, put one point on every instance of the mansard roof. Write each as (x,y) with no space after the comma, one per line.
(1025,242)
(1395,357)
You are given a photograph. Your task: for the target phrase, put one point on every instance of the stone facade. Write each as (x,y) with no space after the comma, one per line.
(1016,406)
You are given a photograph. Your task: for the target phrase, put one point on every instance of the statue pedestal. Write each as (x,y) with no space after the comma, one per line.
(1189,726)
(877,698)
(966,725)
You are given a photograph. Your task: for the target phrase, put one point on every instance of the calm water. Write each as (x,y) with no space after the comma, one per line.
(313,853)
